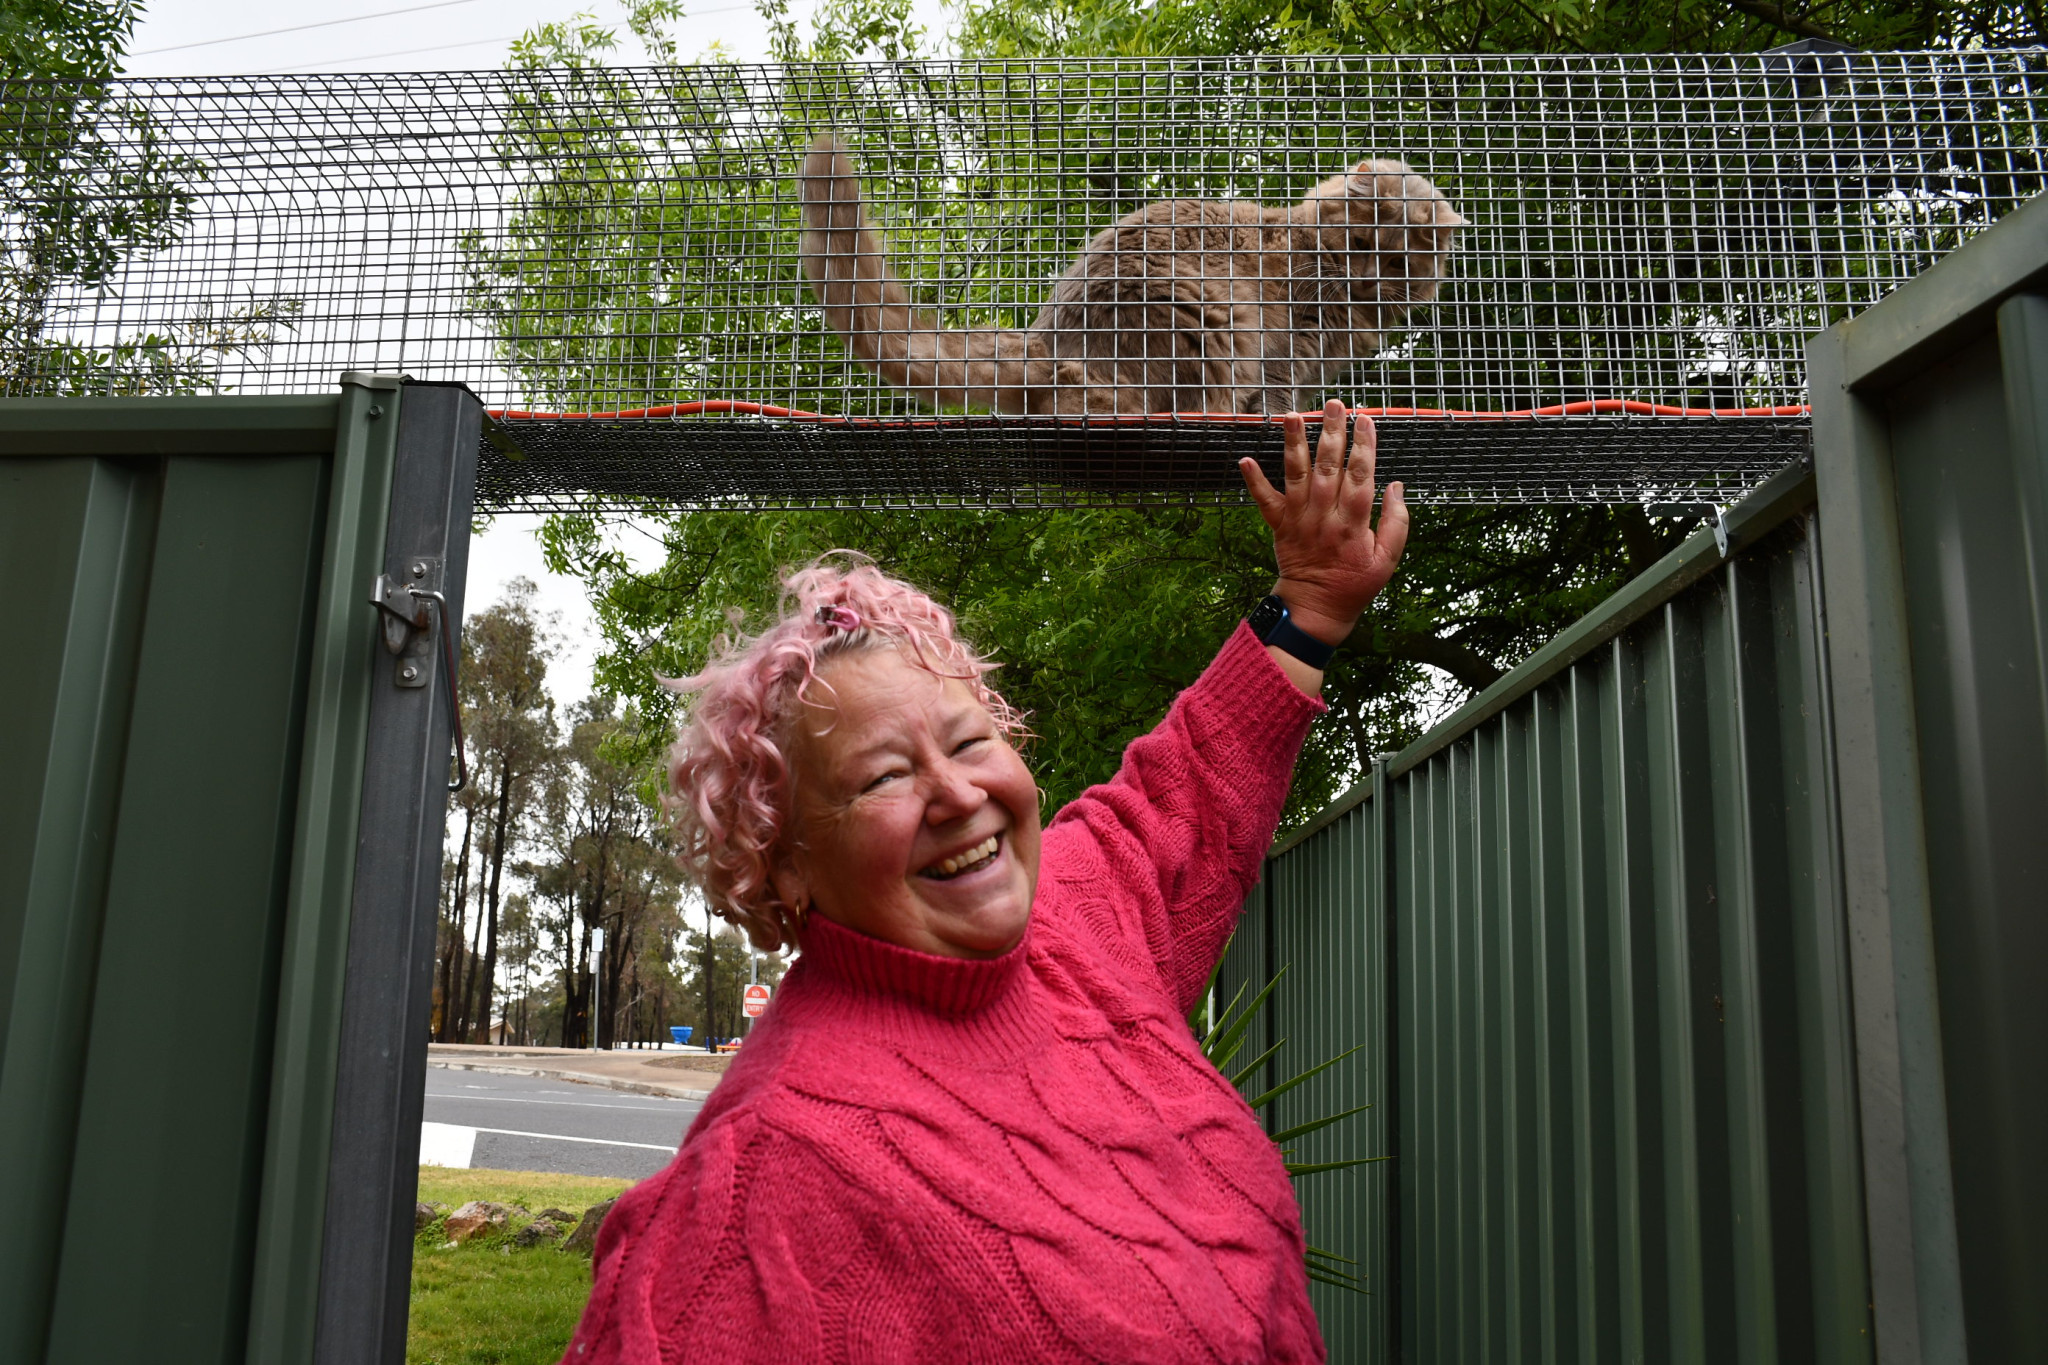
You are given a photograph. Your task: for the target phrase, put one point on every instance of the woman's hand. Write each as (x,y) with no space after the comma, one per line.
(1332,561)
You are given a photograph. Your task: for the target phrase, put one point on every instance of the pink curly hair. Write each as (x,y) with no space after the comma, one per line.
(728,772)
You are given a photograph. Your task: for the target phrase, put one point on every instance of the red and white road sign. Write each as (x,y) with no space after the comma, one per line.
(756,1001)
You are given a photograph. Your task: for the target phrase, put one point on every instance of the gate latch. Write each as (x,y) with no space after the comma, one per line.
(405,609)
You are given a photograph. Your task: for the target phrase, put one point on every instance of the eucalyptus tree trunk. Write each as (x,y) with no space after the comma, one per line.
(710,967)
(458,912)
(501,830)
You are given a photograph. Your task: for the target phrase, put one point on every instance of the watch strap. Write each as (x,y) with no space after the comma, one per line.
(1274,625)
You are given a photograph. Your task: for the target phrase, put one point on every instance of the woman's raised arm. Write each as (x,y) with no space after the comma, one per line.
(1161,856)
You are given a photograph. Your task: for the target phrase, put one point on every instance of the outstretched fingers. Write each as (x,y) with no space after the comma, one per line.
(1358,491)
(1270,501)
(1294,459)
(1365,447)
(1332,561)
(1324,485)
(1391,537)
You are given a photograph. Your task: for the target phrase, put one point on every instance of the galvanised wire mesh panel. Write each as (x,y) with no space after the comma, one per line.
(1568,279)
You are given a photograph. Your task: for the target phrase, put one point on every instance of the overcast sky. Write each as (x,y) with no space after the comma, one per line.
(221,37)
(235,37)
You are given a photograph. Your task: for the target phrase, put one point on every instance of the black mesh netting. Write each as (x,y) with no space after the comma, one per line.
(561,466)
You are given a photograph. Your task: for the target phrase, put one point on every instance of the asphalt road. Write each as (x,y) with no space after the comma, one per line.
(529,1123)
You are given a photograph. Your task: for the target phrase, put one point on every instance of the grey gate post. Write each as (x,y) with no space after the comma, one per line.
(380,1081)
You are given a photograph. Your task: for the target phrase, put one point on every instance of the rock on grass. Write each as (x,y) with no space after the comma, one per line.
(538,1231)
(584,1239)
(476,1216)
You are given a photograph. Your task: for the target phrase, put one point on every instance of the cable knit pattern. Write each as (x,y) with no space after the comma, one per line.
(921,1159)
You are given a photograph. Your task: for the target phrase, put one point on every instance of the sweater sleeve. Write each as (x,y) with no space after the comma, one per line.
(1158,860)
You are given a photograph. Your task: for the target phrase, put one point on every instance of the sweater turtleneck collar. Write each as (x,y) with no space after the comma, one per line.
(946,985)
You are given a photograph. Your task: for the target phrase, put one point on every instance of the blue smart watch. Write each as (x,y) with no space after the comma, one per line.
(1273,625)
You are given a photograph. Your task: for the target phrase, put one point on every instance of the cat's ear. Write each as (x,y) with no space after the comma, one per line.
(1379,190)
(1373,167)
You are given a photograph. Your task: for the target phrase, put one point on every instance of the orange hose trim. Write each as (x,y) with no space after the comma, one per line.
(1580,409)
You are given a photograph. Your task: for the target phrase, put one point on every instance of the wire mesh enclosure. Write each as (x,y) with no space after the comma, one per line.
(1580,279)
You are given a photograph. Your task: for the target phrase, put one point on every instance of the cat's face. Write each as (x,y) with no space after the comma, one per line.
(1385,210)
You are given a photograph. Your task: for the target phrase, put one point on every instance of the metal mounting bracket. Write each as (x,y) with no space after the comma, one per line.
(407,618)
(1721,530)
(405,609)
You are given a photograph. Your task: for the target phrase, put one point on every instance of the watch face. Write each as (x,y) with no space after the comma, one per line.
(1268,614)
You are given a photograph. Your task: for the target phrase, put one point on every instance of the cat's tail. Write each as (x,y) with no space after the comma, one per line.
(864,301)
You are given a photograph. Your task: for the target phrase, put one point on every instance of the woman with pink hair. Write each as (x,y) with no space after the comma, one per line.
(975,1126)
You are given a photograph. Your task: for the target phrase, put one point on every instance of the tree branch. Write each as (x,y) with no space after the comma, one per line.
(1460,661)
(1776,16)
(1643,543)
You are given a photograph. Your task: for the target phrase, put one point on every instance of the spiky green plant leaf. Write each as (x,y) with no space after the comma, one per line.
(1277,1091)
(1301,1129)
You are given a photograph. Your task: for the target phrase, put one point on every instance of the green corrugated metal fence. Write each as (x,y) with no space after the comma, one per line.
(1589,935)
(1699,964)
(185,711)
(1623,1033)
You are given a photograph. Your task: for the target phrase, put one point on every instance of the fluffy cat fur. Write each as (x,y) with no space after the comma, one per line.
(1188,305)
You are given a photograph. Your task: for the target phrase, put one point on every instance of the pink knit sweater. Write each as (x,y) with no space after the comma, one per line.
(922,1159)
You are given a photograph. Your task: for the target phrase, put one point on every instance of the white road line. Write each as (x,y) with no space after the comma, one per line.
(447,1144)
(564,1137)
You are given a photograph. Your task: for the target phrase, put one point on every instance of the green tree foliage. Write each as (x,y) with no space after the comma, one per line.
(77,40)
(605,873)
(509,735)
(90,185)
(731,969)
(1099,617)
(562,907)
(1115,28)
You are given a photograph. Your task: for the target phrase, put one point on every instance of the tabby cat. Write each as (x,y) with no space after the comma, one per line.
(1188,305)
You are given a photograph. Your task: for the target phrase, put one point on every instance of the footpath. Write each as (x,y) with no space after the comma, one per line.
(677,1074)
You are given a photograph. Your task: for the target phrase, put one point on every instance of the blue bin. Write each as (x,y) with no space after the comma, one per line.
(679,1032)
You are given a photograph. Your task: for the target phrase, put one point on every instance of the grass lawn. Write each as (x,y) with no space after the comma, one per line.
(488,1302)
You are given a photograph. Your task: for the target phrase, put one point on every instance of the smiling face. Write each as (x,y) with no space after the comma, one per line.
(915,822)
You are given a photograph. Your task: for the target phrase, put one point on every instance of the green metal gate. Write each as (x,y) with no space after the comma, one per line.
(1697,966)
(219,831)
